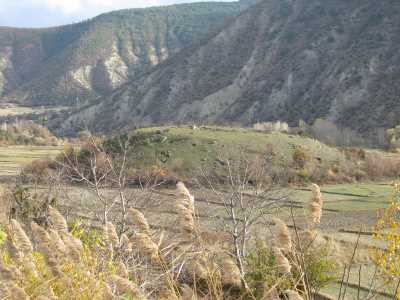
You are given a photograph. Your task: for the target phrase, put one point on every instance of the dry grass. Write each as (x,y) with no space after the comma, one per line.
(144,263)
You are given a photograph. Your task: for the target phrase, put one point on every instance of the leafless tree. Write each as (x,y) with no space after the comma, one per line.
(248,196)
(105,175)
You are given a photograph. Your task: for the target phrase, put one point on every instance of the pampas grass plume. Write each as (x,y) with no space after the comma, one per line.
(315,205)
(283,263)
(57,219)
(136,218)
(124,286)
(122,270)
(111,234)
(21,240)
(230,273)
(147,247)
(284,240)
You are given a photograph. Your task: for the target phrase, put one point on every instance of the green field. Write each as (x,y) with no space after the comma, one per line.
(351,197)
(13,158)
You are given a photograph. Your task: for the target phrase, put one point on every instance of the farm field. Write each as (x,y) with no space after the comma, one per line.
(13,158)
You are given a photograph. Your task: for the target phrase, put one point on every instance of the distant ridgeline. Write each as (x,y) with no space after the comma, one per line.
(73,64)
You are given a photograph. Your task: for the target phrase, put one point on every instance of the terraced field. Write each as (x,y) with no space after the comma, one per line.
(13,158)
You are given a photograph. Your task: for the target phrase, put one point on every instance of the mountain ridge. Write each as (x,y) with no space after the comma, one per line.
(74,64)
(287,60)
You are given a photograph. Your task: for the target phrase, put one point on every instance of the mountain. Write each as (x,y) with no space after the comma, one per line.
(74,64)
(280,59)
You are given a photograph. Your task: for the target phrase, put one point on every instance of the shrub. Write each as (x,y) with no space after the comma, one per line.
(300,157)
(387,228)
(379,166)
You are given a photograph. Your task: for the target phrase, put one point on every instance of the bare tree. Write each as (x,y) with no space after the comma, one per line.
(105,175)
(247,194)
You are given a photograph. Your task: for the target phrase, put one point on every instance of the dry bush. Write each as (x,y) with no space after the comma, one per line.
(300,157)
(38,171)
(27,132)
(378,166)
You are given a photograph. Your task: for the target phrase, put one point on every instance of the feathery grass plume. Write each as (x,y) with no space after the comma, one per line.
(270,293)
(122,271)
(293,295)
(41,235)
(316,191)
(45,246)
(230,273)
(21,240)
(125,287)
(185,195)
(284,266)
(315,205)
(9,273)
(12,250)
(58,221)
(125,245)
(283,239)
(23,245)
(184,206)
(185,219)
(17,293)
(111,236)
(147,247)
(196,269)
(135,218)
(187,293)
(74,246)
(58,243)
(315,213)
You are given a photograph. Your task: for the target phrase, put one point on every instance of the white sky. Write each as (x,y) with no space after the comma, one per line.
(42,13)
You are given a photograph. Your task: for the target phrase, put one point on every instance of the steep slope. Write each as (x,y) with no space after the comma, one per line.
(73,64)
(281,59)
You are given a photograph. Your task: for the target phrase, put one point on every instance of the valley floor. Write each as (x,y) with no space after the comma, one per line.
(348,209)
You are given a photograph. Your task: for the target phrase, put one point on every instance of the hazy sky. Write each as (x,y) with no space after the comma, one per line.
(42,13)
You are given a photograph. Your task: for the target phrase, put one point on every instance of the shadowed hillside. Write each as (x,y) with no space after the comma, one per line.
(286,60)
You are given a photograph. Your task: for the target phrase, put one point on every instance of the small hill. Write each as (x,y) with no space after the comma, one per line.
(182,151)
(73,64)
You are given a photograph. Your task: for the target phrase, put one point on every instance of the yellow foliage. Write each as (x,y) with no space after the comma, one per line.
(388,231)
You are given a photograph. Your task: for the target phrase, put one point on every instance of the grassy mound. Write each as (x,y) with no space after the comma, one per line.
(182,150)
